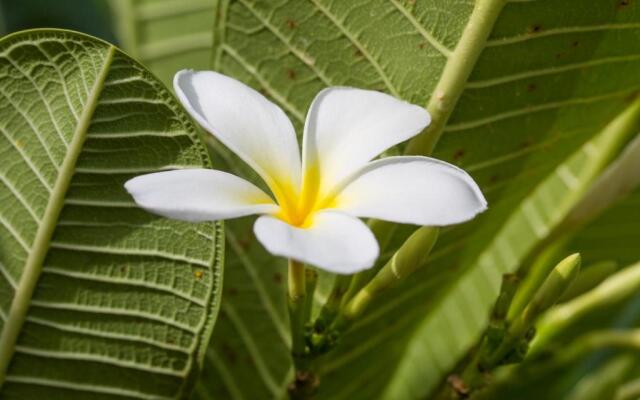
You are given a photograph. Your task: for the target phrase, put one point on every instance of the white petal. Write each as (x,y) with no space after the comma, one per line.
(334,242)
(414,190)
(251,126)
(198,195)
(348,127)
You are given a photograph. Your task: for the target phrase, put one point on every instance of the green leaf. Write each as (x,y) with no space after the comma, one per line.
(98,298)
(168,35)
(516,111)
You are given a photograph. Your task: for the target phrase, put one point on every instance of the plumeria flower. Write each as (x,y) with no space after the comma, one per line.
(311,214)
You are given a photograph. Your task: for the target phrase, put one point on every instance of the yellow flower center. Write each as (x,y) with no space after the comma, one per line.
(298,209)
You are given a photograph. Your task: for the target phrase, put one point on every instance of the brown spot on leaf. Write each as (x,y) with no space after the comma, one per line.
(575,44)
(245,241)
(291,24)
(526,143)
(535,28)
(531,87)
(277,277)
(422,45)
(228,353)
(623,4)
(458,154)
(358,53)
(493,178)
(291,74)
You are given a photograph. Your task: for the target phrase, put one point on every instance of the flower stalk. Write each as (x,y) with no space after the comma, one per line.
(296,299)
(559,279)
(409,257)
(311,281)
(302,283)
(334,300)
(506,341)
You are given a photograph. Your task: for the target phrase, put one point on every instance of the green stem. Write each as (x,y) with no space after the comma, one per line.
(331,307)
(300,298)
(311,281)
(534,274)
(383,232)
(443,100)
(456,73)
(473,372)
(353,310)
(297,295)
(408,258)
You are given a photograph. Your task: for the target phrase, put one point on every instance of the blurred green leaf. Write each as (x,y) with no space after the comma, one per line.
(166,35)
(87,16)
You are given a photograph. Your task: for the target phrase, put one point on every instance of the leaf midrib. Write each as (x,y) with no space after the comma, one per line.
(456,72)
(39,249)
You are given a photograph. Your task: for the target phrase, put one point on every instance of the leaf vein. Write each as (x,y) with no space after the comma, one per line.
(376,65)
(88,388)
(97,358)
(120,281)
(441,48)
(279,97)
(128,252)
(534,108)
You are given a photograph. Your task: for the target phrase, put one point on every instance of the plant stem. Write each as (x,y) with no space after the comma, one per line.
(383,232)
(311,277)
(304,382)
(297,296)
(331,307)
(456,73)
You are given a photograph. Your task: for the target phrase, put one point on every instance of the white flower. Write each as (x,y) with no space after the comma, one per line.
(312,213)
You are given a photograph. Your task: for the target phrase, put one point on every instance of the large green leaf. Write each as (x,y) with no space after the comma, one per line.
(98,299)
(166,35)
(516,111)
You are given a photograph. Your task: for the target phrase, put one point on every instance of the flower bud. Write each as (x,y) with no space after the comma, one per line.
(409,257)
(589,278)
(560,278)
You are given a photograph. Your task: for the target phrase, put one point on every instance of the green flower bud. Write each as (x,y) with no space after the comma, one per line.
(409,257)
(560,278)
(589,278)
